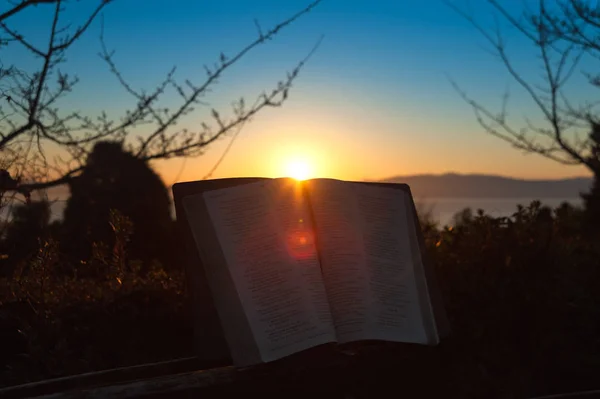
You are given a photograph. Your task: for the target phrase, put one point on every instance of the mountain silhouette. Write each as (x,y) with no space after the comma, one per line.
(453,185)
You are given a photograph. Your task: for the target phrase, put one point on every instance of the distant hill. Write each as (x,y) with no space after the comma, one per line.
(489,186)
(454,185)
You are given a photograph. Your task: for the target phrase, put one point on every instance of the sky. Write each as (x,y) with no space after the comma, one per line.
(374,101)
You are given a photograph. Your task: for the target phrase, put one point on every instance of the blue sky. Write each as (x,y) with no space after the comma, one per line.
(374,101)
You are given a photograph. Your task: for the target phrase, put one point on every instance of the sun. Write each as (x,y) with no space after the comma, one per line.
(298,169)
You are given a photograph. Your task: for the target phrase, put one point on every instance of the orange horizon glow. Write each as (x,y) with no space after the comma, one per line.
(283,144)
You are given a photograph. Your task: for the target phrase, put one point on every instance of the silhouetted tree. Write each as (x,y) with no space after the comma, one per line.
(29,225)
(564,32)
(592,208)
(592,199)
(114,179)
(32,119)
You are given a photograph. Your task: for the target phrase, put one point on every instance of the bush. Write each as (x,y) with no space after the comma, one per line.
(523,301)
(521,294)
(117,312)
(30,223)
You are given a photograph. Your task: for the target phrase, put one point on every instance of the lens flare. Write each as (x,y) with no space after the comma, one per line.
(300,242)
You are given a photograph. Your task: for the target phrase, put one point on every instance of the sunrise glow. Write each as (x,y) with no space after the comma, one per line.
(298,169)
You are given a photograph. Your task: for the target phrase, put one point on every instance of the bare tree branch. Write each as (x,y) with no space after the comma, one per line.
(30,118)
(214,75)
(562,42)
(19,38)
(69,40)
(21,6)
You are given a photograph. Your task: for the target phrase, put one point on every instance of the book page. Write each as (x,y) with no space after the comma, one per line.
(396,313)
(267,239)
(363,236)
(343,258)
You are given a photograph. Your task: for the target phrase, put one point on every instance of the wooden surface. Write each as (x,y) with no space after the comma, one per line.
(179,378)
(391,372)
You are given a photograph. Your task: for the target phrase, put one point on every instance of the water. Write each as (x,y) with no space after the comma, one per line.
(443,209)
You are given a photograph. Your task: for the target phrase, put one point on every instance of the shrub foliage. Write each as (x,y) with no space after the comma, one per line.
(521,294)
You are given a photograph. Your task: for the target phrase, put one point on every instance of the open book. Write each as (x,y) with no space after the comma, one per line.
(294,265)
